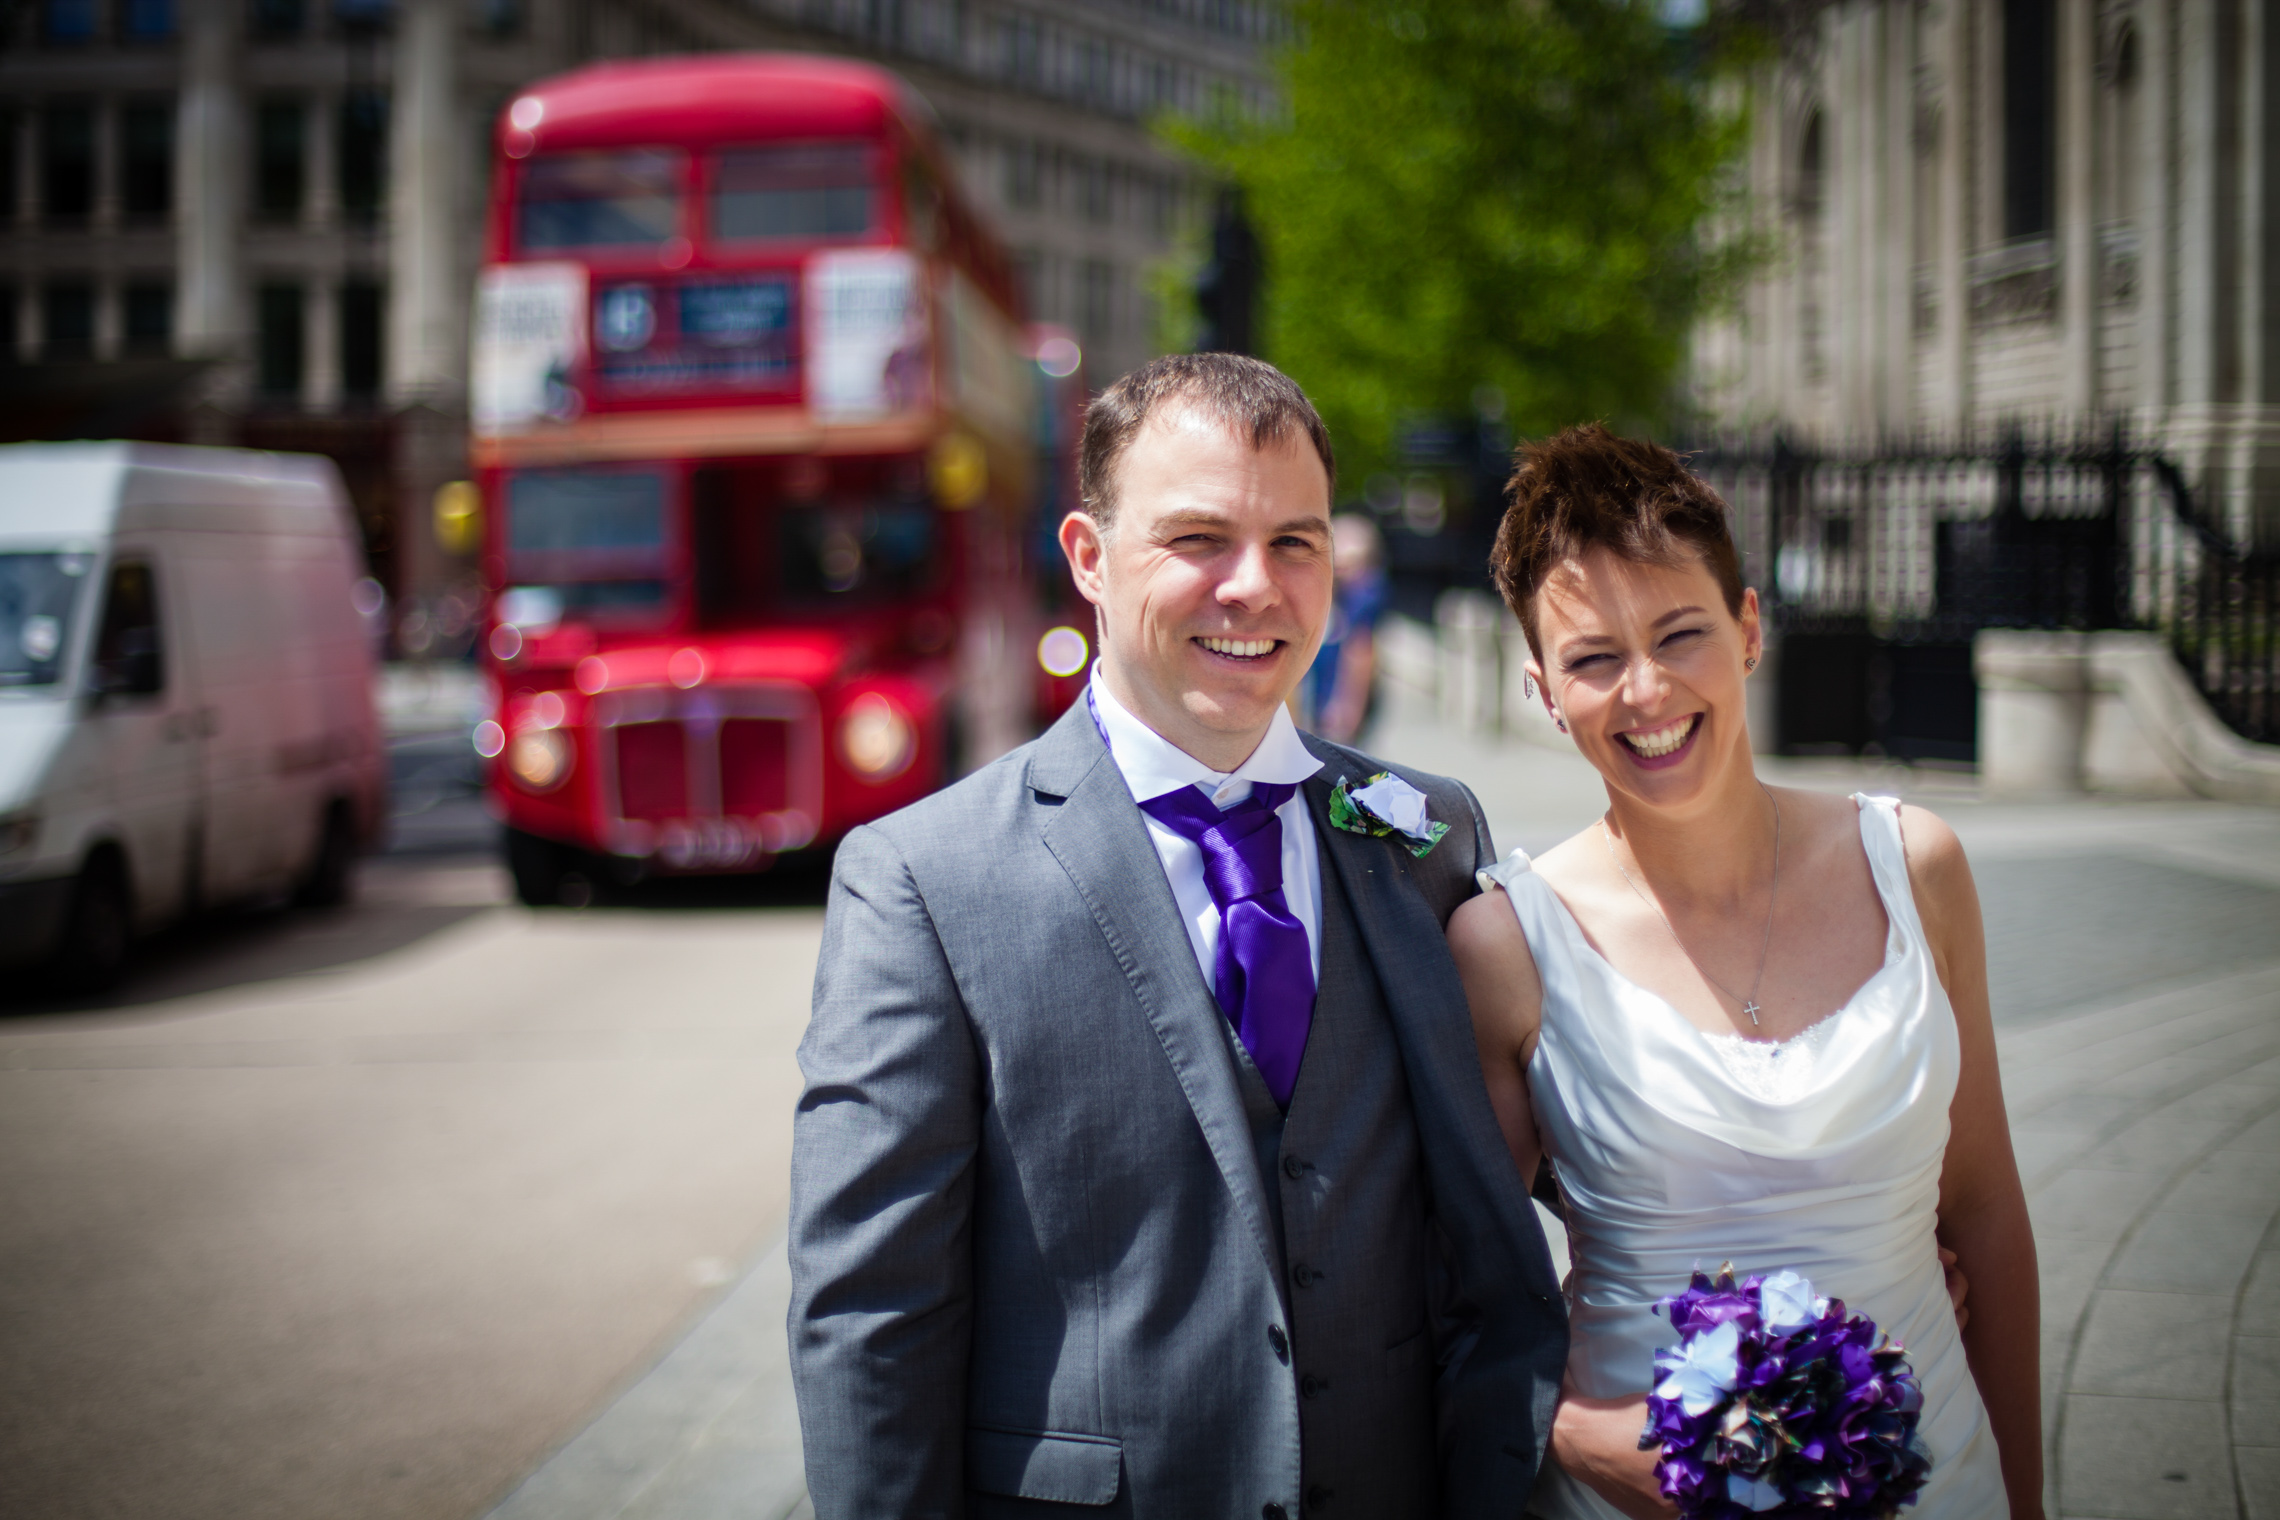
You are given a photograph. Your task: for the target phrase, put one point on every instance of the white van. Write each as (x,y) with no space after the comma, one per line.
(186,712)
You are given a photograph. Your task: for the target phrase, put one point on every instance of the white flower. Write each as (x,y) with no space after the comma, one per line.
(1706,1370)
(1396,801)
(1751,1494)
(1786,1302)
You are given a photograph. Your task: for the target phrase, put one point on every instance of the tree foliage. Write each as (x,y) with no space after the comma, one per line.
(1462,194)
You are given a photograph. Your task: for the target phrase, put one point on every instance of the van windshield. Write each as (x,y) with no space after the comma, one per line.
(39,598)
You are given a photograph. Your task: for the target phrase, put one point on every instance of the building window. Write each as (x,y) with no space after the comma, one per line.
(361,311)
(1098,319)
(2030,117)
(67,21)
(278,349)
(9,336)
(149,317)
(362,151)
(146,160)
(1022,173)
(11,124)
(67,321)
(1808,205)
(500,18)
(280,158)
(279,18)
(67,162)
(146,20)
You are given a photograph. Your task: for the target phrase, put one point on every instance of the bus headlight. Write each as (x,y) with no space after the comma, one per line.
(875,737)
(539,758)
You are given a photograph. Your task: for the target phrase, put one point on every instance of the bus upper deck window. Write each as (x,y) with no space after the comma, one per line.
(623,199)
(801,190)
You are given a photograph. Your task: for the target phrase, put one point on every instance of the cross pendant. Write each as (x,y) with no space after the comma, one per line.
(1751,1008)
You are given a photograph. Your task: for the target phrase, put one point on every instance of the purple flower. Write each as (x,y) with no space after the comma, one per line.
(1776,1402)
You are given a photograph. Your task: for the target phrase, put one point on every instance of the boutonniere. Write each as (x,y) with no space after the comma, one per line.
(1382,806)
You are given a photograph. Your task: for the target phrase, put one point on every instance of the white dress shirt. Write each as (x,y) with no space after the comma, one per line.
(1153,765)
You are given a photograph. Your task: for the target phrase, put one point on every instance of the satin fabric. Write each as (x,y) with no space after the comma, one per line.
(1265,977)
(1667,1164)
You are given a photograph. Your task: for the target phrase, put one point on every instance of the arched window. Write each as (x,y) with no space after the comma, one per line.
(1808,203)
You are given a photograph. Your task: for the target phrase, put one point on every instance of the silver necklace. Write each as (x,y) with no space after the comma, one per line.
(1750,1003)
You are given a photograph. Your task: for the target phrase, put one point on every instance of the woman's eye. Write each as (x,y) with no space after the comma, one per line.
(1682,635)
(1589,662)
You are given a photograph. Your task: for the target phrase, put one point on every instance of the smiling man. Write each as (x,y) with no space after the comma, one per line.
(1145,1166)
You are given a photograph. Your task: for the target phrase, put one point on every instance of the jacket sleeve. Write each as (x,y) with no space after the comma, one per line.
(883,1147)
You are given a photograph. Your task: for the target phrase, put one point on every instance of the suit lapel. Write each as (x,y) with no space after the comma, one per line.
(1427,1004)
(1099,838)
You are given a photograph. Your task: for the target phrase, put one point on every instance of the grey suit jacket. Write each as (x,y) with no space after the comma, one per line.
(1031,1252)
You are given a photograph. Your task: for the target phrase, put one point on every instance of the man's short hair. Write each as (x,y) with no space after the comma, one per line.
(1588,489)
(1249,397)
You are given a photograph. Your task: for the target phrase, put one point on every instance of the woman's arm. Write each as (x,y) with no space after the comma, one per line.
(1983,1209)
(1506,998)
(1594,1440)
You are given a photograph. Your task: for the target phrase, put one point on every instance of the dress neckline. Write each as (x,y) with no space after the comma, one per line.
(1895,953)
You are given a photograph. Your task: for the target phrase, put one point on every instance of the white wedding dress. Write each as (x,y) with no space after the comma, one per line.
(1676,1150)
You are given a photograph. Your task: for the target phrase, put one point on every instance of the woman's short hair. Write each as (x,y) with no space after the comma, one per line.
(1588,489)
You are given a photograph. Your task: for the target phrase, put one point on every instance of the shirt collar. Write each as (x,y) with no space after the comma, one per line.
(1153,765)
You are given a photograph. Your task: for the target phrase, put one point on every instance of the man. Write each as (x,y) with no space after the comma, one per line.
(1145,1162)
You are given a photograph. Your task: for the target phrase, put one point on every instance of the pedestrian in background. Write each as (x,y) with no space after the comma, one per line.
(1341,686)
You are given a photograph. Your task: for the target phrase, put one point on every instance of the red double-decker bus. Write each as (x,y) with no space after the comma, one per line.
(757,430)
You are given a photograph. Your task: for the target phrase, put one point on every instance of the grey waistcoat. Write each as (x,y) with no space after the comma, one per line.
(1349,1211)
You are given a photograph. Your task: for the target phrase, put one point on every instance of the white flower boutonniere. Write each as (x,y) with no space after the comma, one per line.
(1383,806)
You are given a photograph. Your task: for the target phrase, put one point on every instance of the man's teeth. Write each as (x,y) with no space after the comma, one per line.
(1248,649)
(1654,743)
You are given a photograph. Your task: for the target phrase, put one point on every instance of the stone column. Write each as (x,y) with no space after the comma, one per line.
(1896,228)
(320,322)
(426,334)
(209,187)
(1957,105)
(2156,196)
(2206,164)
(320,193)
(2078,257)
(2255,462)
(106,207)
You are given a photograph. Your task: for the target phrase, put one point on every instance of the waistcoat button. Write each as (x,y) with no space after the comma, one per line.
(1280,1343)
(1293,1168)
(1318,1497)
(1312,1386)
(1273,1512)
(1304,1275)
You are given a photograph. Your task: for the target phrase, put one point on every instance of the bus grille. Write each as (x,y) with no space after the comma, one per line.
(717,778)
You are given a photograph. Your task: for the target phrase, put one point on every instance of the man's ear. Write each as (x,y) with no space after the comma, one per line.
(1086,547)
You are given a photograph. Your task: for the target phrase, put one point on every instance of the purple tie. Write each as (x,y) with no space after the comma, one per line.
(1265,973)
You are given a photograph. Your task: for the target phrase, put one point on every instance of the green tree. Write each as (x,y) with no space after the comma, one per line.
(1466,193)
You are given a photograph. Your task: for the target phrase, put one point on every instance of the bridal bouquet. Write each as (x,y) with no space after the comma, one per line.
(1775,1402)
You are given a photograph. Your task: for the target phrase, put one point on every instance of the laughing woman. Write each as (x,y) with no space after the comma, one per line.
(1746,1023)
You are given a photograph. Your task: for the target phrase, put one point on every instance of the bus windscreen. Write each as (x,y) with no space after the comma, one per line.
(794,191)
(625,199)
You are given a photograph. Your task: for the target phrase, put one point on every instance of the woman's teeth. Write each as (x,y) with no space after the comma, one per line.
(1654,743)
(1245,649)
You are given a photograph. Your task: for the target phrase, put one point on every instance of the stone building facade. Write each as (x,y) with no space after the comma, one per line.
(2054,214)
(256,221)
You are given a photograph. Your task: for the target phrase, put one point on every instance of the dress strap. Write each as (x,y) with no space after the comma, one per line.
(1505,871)
(1887,851)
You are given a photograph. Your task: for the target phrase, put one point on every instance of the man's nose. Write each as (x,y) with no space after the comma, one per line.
(1250,580)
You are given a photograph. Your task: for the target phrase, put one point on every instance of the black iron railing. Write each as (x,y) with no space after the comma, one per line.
(1878,569)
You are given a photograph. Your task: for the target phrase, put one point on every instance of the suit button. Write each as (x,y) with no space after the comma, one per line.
(1293,1168)
(1318,1497)
(1273,1512)
(1280,1342)
(1304,1275)
(1313,1387)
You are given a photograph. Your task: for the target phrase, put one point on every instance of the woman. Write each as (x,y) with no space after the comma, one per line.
(1746,1023)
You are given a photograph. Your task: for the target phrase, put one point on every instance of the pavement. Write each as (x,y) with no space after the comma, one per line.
(445,1208)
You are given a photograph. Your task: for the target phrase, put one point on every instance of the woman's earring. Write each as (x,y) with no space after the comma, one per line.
(1528,687)
(1562,722)
(1750,663)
